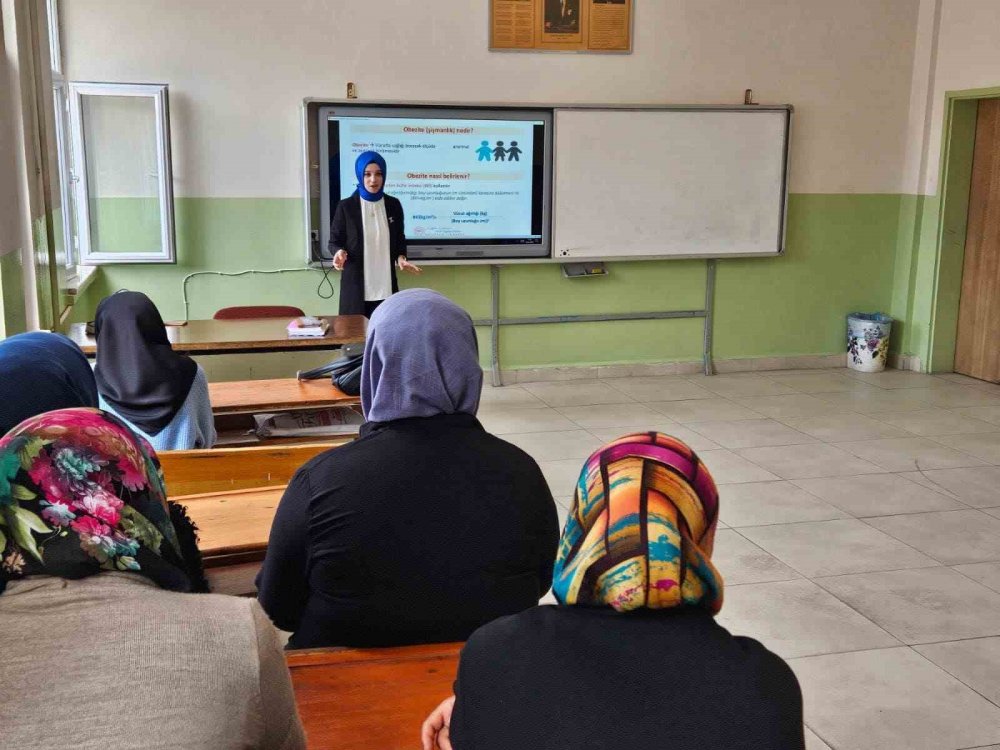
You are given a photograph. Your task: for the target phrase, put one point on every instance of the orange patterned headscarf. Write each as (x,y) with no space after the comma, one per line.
(641,530)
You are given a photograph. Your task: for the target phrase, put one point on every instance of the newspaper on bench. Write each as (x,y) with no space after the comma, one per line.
(337,420)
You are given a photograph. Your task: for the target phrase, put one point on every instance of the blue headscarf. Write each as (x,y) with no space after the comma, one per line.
(363,160)
(421,359)
(42,372)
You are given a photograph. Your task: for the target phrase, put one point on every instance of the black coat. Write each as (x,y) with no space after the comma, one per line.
(419,532)
(347,232)
(588,677)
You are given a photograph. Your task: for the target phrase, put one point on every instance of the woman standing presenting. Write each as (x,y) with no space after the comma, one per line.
(367,240)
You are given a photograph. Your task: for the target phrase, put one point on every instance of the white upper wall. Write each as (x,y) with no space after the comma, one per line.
(964,54)
(918,120)
(239,69)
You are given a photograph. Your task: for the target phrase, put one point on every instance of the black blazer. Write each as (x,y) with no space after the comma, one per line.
(419,532)
(347,232)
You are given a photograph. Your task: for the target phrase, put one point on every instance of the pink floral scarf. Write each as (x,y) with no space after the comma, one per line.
(80,493)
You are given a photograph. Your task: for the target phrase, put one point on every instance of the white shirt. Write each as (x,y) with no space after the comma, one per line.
(378,269)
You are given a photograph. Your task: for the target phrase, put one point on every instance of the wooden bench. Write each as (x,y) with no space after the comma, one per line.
(235,402)
(280,394)
(370,699)
(222,469)
(233,529)
(231,495)
(233,526)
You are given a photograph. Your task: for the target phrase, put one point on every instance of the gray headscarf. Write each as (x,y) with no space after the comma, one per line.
(421,359)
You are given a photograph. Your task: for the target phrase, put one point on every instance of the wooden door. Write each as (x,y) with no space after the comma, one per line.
(977,351)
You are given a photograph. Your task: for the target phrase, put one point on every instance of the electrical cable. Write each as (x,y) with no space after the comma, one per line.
(325,280)
(251,271)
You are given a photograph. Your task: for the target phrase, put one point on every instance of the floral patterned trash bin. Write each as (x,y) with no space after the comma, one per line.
(868,341)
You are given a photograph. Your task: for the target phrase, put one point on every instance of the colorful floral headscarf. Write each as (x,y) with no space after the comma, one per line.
(80,493)
(641,530)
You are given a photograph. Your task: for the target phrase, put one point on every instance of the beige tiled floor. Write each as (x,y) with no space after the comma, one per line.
(859,534)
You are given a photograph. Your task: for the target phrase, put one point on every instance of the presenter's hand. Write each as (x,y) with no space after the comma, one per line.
(404,265)
(340,259)
(434,732)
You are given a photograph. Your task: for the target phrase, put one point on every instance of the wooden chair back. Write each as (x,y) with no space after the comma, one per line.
(258,311)
(363,699)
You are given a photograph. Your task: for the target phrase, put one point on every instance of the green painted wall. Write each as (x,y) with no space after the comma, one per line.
(911,208)
(842,255)
(125,225)
(839,259)
(913,275)
(45,281)
(11,295)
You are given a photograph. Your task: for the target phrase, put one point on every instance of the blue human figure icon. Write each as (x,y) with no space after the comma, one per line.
(513,153)
(499,152)
(484,151)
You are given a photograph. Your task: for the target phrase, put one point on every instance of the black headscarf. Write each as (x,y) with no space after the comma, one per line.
(41,372)
(138,373)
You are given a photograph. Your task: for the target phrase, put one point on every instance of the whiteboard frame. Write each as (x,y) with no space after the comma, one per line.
(782,209)
(555,108)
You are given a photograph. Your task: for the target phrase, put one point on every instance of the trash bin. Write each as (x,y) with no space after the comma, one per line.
(868,341)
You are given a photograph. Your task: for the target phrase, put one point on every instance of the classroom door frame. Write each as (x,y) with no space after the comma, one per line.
(954,184)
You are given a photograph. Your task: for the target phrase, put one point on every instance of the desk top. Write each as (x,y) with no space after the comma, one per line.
(362,698)
(249,335)
(233,522)
(275,395)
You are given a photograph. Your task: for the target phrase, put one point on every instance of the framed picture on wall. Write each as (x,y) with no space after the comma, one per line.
(561,25)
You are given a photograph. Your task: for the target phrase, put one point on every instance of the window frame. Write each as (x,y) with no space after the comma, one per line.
(60,106)
(157,92)
(67,179)
(55,48)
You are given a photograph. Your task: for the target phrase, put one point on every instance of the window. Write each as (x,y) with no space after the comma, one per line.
(120,175)
(67,203)
(64,220)
(55,51)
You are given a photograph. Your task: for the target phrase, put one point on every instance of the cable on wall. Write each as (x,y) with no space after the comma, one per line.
(251,271)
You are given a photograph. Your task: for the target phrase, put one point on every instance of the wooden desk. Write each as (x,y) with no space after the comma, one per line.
(240,396)
(242,336)
(206,470)
(368,699)
(233,527)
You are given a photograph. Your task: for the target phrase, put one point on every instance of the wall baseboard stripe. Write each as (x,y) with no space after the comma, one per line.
(653,369)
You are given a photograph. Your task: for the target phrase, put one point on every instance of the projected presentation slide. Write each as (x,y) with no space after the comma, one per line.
(460,181)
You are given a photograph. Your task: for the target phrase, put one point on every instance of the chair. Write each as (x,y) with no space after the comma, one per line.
(258,311)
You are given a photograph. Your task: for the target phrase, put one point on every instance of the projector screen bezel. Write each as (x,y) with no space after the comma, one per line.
(429,251)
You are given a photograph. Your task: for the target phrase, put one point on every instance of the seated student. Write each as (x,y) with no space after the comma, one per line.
(40,372)
(632,656)
(101,646)
(159,393)
(427,526)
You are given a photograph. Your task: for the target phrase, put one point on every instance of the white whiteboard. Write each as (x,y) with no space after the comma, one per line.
(669,182)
